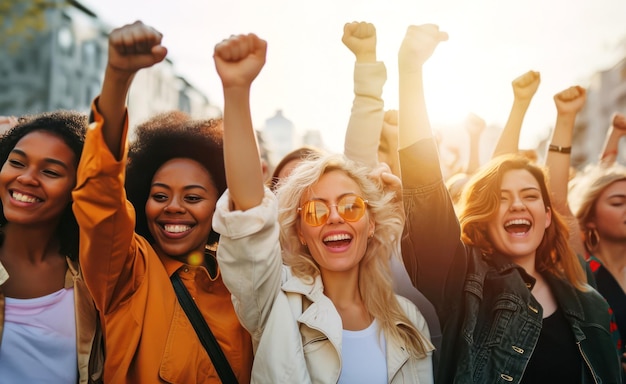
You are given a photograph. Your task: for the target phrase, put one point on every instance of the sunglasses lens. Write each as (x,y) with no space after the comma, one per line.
(315,213)
(351,208)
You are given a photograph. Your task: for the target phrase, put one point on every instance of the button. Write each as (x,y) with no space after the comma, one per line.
(186,269)
(506,377)
(517,349)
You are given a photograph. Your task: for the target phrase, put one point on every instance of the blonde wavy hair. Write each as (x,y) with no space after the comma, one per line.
(375,284)
(480,203)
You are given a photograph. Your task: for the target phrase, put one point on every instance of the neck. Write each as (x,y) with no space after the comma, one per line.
(612,254)
(342,288)
(28,242)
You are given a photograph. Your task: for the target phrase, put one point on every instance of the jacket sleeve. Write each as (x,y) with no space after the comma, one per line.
(249,256)
(366,118)
(106,220)
(433,253)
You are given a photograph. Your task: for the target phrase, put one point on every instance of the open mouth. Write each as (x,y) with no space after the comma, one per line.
(24,198)
(517,226)
(339,240)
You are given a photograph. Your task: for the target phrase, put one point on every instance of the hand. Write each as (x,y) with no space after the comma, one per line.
(360,38)
(525,86)
(239,59)
(389,181)
(6,123)
(418,45)
(619,122)
(570,100)
(133,47)
(474,125)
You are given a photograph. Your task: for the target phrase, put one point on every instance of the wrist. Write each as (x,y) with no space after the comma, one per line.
(560,149)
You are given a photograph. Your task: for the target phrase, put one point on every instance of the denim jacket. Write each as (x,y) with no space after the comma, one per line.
(491,322)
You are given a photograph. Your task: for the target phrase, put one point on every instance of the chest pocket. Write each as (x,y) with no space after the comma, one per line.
(487,320)
(184,359)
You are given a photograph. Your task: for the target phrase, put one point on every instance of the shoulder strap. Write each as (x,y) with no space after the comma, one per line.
(203,331)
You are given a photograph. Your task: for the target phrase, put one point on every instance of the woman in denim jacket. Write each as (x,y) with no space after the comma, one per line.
(510,293)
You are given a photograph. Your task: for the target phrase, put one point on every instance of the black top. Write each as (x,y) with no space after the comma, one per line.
(556,358)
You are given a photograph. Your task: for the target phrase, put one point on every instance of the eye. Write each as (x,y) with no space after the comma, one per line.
(16,163)
(52,173)
(159,197)
(193,198)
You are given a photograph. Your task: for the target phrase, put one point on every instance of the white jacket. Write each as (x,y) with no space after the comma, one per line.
(296,330)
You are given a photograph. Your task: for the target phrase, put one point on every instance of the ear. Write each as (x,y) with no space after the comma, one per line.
(548,217)
(372,226)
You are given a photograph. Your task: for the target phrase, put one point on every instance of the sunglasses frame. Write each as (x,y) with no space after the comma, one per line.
(329,206)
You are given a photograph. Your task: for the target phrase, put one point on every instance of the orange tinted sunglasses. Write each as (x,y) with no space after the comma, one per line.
(349,207)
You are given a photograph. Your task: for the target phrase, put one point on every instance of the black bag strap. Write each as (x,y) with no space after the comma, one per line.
(203,331)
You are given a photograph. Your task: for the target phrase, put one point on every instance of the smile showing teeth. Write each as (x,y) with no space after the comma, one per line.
(517,222)
(176,228)
(339,237)
(24,198)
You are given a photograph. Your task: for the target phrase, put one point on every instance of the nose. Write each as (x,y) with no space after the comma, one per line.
(174,207)
(333,216)
(517,204)
(28,177)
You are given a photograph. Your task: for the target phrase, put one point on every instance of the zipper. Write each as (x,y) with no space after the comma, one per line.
(593,375)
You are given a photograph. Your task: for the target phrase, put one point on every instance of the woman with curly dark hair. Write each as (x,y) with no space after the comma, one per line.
(145,224)
(47,318)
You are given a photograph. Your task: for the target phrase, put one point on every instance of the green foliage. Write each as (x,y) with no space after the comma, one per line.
(22,21)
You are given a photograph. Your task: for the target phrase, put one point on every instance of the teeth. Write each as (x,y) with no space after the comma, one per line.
(24,198)
(177,228)
(517,222)
(343,236)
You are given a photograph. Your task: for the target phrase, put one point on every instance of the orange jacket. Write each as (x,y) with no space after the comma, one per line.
(147,336)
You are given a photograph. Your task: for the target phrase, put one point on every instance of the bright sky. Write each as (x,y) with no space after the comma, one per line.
(308,73)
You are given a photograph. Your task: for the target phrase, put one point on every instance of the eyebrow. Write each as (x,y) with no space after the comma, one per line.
(47,159)
(186,187)
(338,197)
(522,190)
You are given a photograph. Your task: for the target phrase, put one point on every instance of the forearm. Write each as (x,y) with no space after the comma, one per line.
(508,142)
(413,121)
(244,174)
(366,119)
(112,105)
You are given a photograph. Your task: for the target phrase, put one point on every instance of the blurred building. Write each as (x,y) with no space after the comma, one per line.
(605,96)
(281,135)
(53,56)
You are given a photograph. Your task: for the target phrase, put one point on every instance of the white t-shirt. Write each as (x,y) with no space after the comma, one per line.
(363,356)
(39,340)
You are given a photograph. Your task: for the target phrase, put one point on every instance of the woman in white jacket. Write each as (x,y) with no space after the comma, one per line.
(329,314)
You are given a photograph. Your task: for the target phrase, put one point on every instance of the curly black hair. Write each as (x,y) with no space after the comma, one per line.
(71,127)
(162,138)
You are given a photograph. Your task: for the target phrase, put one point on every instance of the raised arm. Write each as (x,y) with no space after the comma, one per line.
(238,61)
(475,126)
(418,45)
(568,103)
(524,88)
(611,144)
(366,118)
(131,48)
(432,232)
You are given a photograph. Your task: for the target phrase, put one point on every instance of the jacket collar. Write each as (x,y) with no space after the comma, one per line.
(4,275)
